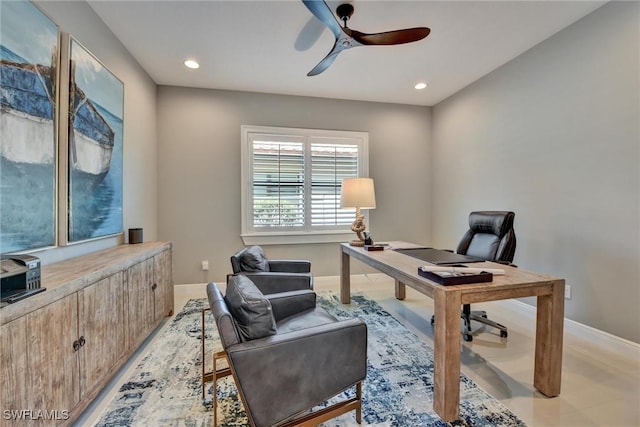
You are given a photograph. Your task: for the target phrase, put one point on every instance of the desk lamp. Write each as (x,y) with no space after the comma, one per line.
(358,193)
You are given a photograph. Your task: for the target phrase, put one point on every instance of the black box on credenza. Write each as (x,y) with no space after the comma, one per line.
(135,235)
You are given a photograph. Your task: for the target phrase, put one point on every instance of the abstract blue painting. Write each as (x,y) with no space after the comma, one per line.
(96,103)
(28,141)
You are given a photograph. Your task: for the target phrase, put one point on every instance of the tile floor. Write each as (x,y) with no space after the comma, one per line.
(598,388)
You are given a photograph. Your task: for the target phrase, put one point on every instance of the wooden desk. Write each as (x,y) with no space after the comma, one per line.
(516,283)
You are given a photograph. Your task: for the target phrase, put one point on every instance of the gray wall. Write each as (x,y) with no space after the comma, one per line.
(553,135)
(199,171)
(140,145)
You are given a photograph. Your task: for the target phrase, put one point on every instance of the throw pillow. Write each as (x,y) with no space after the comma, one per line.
(250,309)
(254,259)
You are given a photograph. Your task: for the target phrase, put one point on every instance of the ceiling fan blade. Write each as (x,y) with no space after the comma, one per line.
(321,10)
(309,34)
(407,35)
(326,61)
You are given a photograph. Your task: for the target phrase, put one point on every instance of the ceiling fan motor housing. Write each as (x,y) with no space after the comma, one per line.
(345,11)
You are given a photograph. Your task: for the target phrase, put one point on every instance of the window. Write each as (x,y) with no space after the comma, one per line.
(291,181)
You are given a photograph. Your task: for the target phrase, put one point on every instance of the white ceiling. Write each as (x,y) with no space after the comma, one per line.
(269,46)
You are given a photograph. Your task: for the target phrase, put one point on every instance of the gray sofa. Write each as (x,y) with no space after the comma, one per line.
(286,354)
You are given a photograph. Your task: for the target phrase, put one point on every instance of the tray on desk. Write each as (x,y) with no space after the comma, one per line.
(455,277)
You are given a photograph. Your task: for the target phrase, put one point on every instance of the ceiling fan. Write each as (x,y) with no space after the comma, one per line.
(347,38)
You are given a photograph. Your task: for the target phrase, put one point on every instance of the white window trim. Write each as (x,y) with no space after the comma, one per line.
(250,237)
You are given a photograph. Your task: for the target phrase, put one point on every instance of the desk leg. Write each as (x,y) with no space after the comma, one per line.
(345,277)
(446,354)
(549,331)
(401,290)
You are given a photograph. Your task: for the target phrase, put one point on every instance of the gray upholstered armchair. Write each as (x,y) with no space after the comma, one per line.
(275,275)
(286,354)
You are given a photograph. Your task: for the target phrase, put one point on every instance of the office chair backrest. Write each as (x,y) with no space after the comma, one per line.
(490,236)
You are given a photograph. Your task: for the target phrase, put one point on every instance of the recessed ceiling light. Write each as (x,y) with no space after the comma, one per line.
(190,63)
(421,85)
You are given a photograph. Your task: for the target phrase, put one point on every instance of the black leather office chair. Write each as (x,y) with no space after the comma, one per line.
(490,237)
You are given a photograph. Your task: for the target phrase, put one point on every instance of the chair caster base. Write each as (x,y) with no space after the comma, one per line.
(479,317)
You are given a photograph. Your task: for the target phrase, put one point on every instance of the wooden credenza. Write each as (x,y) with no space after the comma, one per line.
(60,347)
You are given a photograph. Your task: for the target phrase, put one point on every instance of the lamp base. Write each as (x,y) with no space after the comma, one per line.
(358,243)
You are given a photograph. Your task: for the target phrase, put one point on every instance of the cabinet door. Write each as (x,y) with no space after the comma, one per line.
(13,365)
(140,305)
(101,329)
(53,362)
(164,280)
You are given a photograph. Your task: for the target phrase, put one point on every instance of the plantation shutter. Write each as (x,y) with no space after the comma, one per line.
(278,182)
(291,183)
(330,164)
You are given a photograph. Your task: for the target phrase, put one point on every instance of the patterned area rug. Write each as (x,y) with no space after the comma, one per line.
(398,391)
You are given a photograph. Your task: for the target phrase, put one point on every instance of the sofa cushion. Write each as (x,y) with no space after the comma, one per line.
(253,259)
(251,311)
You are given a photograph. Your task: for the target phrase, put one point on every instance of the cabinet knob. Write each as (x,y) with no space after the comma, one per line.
(155,285)
(76,345)
(82,341)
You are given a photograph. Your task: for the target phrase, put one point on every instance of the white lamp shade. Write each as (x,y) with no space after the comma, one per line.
(358,193)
